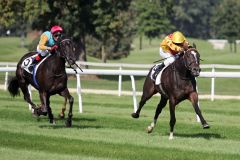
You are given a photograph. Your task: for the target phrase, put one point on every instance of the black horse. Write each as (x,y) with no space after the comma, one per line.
(50,79)
(177,84)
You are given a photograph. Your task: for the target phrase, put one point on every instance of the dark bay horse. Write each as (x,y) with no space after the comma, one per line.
(178,83)
(51,79)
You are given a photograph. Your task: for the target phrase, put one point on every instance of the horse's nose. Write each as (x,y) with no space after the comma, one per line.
(196,71)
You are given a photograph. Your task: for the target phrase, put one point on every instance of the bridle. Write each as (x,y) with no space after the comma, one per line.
(186,64)
(63,54)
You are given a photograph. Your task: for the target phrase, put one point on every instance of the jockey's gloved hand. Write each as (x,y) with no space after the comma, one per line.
(54,47)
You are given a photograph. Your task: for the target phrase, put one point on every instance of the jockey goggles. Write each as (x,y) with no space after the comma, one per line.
(56,35)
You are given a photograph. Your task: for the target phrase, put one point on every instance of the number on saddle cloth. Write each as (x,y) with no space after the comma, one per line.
(28,63)
(155,71)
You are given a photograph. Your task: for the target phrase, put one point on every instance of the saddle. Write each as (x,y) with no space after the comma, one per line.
(156,71)
(28,63)
(156,76)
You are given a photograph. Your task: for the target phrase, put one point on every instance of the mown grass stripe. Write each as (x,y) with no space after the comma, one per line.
(99,149)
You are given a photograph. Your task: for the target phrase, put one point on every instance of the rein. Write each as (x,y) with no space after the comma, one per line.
(67,59)
(185,61)
(175,70)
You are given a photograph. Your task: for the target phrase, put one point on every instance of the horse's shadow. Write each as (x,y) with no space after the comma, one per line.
(76,124)
(207,136)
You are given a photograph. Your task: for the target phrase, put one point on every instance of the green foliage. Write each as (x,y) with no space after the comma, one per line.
(113,28)
(226,20)
(112,24)
(153,18)
(193,17)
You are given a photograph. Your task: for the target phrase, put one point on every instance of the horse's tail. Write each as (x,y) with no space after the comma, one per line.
(13,87)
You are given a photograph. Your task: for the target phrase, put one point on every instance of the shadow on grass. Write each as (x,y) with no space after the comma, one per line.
(79,123)
(207,136)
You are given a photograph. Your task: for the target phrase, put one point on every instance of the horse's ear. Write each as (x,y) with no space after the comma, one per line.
(194,45)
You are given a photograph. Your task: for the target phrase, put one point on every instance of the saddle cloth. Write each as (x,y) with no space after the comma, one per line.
(28,62)
(158,77)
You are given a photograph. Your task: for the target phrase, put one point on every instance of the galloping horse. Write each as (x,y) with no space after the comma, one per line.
(177,84)
(50,78)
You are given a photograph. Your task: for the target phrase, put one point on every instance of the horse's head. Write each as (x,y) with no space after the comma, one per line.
(191,59)
(67,50)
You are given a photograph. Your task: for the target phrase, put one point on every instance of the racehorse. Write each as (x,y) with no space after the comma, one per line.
(50,79)
(178,83)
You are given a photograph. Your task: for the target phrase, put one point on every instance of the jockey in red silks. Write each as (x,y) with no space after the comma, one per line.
(169,47)
(47,42)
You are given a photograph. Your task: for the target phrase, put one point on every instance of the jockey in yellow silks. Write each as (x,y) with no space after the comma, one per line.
(169,47)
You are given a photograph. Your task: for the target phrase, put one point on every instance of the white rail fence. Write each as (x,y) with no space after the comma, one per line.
(120,72)
(120,67)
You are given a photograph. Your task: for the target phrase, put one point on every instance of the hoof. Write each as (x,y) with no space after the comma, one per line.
(149,129)
(170,138)
(44,113)
(36,112)
(52,121)
(68,123)
(135,115)
(61,116)
(206,126)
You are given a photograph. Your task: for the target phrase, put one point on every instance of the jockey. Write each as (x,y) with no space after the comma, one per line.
(47,42)
(169,47)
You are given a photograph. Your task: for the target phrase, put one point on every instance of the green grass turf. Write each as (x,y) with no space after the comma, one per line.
(106,131)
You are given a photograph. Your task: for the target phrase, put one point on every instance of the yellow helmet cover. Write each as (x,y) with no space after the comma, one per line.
(178,37)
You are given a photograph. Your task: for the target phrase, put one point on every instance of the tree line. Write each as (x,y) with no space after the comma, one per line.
(106,28)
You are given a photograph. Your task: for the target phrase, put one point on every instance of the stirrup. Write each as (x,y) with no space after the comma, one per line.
(31,67)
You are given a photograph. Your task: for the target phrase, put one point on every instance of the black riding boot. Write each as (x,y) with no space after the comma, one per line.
(35,61)
(158,69)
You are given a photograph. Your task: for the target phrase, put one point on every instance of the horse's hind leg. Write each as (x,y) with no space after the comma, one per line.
(172,105)
(67,95)
(194,100)
(148,92)
(159,108)
(24,88)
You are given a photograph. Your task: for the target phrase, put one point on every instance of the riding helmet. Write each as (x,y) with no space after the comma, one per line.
(55,29)
(178,37)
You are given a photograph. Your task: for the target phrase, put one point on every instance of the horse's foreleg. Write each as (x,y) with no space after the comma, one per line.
(194,100)
(62,114)
(67,95)
(159,108)
(172,122)
(148,92)
(45,99)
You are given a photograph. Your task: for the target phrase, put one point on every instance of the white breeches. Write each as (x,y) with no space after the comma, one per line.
(42,52)
(169,57)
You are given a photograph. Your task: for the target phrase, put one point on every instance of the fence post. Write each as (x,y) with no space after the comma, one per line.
(134,94)
(30,93)
(79,93)
(213,84)
(120,82)
(6,79)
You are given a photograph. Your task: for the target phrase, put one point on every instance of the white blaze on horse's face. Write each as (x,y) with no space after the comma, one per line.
(195,55)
